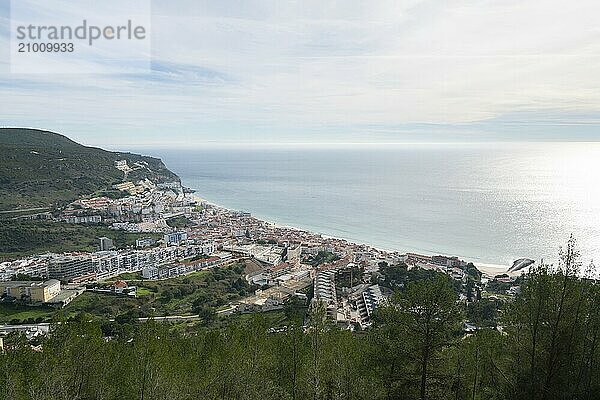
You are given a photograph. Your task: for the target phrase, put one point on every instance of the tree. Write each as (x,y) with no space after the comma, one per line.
(553,331)
(316,326)
(206,313)
(410,338)
(294,310)
(389,355)
(430,317)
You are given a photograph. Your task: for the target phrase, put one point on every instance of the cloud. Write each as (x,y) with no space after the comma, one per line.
(270,71)
(183,74)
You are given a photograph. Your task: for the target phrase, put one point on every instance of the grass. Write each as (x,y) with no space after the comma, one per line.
(102,305)
(97,304)
(10,313)
(142,291)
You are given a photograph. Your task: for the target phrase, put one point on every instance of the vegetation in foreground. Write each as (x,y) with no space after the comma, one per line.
(547,348)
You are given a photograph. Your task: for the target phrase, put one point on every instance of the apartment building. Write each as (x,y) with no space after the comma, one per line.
(31,291)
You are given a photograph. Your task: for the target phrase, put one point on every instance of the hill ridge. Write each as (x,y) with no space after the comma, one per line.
(41,168)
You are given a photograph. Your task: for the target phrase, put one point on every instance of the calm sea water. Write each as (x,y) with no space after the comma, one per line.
(486,203)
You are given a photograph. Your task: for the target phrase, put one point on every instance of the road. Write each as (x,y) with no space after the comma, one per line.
(18,210)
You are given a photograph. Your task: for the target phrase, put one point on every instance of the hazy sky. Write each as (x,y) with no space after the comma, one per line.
(333,71)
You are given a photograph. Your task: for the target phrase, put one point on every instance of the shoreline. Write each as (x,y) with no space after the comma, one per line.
(489,269)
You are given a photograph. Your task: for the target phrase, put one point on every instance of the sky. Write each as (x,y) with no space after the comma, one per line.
(238,72)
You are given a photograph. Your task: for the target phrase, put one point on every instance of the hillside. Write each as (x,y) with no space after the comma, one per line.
(46,169)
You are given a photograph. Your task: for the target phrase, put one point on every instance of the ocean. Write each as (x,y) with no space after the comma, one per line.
(487,203)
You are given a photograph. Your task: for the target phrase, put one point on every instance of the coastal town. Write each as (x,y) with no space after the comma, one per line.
(186,234)
(299,200)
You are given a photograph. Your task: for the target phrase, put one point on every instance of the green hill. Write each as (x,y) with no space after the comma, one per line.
(45,169)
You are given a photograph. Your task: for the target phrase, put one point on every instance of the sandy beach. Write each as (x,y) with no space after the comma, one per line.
(488,269)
